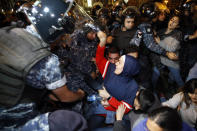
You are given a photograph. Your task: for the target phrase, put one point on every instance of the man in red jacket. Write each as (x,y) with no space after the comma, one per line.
(109,102)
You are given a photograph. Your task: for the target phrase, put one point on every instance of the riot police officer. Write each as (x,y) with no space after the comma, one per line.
(148,12)
(122,35)
(26,60)
(189,28)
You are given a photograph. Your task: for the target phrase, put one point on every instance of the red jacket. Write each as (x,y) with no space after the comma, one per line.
(102,64)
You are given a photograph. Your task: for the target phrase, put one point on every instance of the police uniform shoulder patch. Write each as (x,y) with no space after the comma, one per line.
(148,30)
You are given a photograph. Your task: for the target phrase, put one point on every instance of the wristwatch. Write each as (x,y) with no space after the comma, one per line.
(109,98)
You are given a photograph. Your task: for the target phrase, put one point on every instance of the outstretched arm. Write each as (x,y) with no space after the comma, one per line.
(65,95)
(151,44)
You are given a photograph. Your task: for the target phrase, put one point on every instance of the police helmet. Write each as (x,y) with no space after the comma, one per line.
(96,6)
(186,5)
(148,10)
(103,12)
(90,27)
(119,3)
(130,12)
(116,10)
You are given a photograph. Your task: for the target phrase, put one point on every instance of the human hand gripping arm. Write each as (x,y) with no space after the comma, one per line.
(109,100)
(194,36)
(65,95)
(172,45)
(157,39)
(120,112)
(119,125)
(104,94)
(152,45)
(149,40)
(172,56)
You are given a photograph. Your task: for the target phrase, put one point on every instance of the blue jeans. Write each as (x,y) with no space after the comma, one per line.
(176,76)
(104,129)
(96,121)
(155,76)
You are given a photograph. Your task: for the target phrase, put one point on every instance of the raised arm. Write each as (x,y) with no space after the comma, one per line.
(101,61)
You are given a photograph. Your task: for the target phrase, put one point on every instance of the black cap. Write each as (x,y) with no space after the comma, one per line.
(64,120)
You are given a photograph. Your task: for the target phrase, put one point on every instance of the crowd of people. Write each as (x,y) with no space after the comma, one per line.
(132,69)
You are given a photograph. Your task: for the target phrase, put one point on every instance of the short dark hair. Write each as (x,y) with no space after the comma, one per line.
(113,49)
(146,99)
(131,49)
(167,118)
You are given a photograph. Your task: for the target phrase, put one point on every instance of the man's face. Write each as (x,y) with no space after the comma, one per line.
(162,16)
(103,21)
(129,23)
(91,35)
(113,57)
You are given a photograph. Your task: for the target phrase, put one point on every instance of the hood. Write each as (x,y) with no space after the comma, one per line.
(131,66)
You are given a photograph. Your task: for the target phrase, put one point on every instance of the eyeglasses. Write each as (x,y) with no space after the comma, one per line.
(116,58)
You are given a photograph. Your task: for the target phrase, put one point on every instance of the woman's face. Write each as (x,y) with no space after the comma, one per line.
(119,65)
(173,23)
(136,103)
(193,96)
